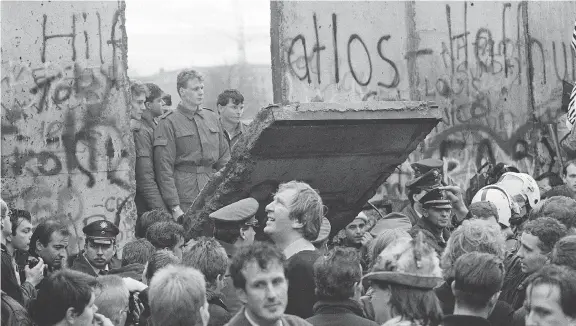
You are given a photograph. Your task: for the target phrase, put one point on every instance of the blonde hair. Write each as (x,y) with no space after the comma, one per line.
(306,208)
(176,296)
(112,299)
(473,235)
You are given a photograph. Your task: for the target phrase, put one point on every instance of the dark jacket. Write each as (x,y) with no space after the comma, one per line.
(501,314)
(219,314)
(147,193)
(301,286)
(430,232)
(287,320)
(9,282)
(233,140)
(13,314)
(461,320)
(514,288)
(189,147)
(82,265)
(335,313)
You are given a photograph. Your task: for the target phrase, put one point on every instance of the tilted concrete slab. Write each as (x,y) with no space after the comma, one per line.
(346,151)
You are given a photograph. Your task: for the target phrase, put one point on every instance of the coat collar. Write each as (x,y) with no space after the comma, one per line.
(328,307)
(189,113)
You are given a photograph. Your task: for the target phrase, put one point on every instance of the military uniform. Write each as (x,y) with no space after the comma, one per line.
(236,214)
(188,148)
(147,193)
(98,232)
(433,235)
(233,140)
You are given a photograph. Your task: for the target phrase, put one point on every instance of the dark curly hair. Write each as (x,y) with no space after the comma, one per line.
(548,230)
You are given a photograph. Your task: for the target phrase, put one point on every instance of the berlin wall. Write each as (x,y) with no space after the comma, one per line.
(494,68)
(67,150)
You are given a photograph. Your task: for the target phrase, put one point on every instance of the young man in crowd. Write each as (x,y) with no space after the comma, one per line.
(146,105)
(477,283)
(294,219)
(177,296)
(208,256)
(67,298)
(97,258)
(338,276)
(167,235)
(231,107)
(356,236)
(537,241)
(257,272)
(189,146)
(19,240)
(550,297)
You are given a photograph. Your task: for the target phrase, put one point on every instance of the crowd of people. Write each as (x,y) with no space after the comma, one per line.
(502,253)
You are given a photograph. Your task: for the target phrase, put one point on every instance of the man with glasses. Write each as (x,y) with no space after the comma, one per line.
(189,146)
(234,228)
(230,107)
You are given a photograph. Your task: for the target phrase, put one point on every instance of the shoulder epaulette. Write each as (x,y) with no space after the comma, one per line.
(211,110)
(169,112)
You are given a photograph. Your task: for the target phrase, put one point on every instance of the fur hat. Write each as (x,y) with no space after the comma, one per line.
(409,262)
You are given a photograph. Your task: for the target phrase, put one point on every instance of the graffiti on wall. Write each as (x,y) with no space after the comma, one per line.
(478,74)
(65,149)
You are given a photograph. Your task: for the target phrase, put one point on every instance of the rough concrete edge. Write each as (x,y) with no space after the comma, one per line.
(276,23)
(213,197)
(124,87)
(367,106)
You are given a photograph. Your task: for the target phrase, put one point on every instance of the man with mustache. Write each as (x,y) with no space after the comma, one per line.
(99,249)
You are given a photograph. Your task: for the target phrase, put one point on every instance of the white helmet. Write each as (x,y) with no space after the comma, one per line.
(505,204)
(520,184)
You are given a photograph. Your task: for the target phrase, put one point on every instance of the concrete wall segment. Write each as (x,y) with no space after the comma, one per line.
(494,68)
(67,149)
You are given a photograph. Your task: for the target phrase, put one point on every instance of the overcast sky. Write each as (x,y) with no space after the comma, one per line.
(173,34)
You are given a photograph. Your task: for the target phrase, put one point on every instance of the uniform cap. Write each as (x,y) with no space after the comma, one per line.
(428,180)
(102,232)
(239,211)
(436,198)
(423,166)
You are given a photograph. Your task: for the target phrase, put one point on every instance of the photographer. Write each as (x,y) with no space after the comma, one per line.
(17,237)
